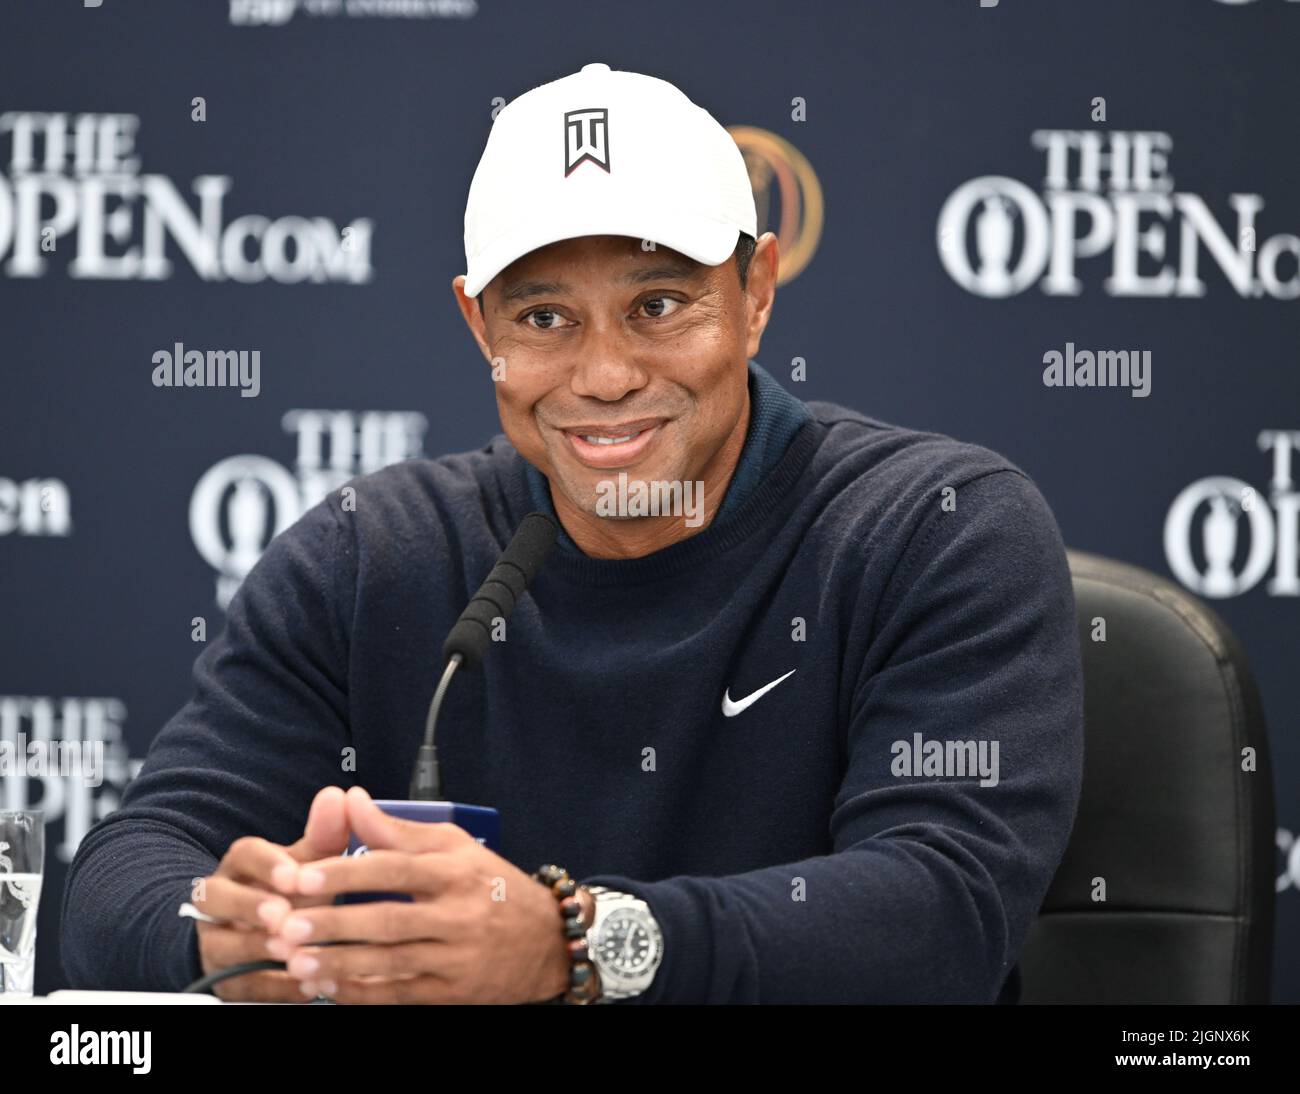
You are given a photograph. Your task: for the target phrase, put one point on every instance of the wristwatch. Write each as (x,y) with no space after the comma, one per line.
(624,943)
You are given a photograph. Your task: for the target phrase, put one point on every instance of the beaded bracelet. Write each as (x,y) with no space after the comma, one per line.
(583,987)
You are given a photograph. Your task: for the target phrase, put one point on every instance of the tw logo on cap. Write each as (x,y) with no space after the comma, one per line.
(586,137)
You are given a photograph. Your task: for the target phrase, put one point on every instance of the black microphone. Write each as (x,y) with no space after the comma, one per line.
(501,589)
(468,641)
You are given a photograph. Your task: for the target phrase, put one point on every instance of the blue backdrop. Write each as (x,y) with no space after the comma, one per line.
(960,191)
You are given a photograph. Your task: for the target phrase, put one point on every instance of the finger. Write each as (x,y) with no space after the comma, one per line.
(301,900)
(377,829)
(225,898)
(222,947)
(327,831)
(337,963)
(251,858)
(295,900)
(377,871)
(263,987)
(409,990)
(377,921)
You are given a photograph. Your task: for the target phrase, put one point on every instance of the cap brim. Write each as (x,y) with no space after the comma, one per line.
(707,241)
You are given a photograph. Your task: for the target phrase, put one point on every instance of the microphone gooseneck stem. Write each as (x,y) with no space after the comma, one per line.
(426,779)
(471,635)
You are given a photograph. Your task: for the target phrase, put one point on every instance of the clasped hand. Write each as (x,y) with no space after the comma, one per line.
(477,930)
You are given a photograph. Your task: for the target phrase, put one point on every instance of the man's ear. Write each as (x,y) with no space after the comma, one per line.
(472,314)
(760,289)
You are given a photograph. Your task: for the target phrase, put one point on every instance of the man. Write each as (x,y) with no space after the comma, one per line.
(809,731)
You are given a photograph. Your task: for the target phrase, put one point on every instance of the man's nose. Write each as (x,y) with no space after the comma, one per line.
(606,365)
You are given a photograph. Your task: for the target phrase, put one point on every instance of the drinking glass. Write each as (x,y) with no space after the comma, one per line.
(22,864)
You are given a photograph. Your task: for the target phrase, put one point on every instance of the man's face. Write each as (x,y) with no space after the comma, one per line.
(618,359)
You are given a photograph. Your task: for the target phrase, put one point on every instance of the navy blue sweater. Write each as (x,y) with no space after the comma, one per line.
(916,586)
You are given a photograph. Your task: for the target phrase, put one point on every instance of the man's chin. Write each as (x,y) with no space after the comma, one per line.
(647,495)
(591,490)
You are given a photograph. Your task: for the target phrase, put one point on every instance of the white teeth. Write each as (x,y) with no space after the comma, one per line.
(611,440)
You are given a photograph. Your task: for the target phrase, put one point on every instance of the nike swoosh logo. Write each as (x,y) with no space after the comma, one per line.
(731,708)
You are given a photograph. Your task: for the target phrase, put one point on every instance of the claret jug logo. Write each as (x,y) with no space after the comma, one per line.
(243,502)
(1222,538)
(1107,193)
(787,195)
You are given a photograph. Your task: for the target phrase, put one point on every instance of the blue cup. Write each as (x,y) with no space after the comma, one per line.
(481,822)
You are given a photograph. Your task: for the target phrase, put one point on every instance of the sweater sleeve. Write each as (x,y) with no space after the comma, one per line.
(933,881)
(269,689)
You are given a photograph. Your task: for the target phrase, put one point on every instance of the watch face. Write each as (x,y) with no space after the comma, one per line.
(625,947)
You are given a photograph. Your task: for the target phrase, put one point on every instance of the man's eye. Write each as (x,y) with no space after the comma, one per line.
(546,319)
(659,306)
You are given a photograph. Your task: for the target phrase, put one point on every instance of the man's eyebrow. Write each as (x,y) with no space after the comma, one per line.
(668,270)
(523,290)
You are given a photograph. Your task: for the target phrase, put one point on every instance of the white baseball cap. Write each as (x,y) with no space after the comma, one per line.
(605,153)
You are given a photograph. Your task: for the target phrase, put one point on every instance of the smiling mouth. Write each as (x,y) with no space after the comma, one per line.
(613,446)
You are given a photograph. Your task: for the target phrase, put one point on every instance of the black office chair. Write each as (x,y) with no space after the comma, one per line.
(1180,835)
